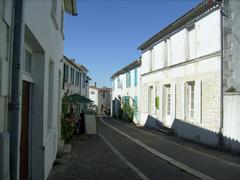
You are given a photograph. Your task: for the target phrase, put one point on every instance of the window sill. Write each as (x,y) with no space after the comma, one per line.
(54,19)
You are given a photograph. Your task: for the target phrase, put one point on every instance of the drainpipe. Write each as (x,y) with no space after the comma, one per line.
(15,87)
(220,134)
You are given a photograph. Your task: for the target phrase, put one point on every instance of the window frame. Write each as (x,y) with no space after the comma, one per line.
(190,88)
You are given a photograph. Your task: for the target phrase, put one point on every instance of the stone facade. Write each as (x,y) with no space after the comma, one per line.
(231,34)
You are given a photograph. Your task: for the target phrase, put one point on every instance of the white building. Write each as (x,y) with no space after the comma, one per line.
(101,97)
(181,67)
(30,85)
(75,78)
(126,86)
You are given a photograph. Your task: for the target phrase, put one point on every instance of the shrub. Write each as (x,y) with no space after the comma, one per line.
(127,111)
(157,102)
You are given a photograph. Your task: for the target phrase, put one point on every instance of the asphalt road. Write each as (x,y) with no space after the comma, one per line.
(175,161)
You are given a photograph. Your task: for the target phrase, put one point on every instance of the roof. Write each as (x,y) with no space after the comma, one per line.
(78,98)
(184,19)
(101,89)
(71,7)
(83,67)
(127,68)
(78,66)
(89,78)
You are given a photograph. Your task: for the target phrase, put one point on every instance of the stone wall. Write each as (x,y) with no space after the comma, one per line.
(231,23)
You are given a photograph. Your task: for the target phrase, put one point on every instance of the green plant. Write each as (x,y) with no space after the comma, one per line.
(67,128)
(127,110)
(67,123)
(135,107)
(157,102)
(231,89)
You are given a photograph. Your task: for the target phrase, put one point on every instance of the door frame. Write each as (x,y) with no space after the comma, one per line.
(30,103)
(167,117)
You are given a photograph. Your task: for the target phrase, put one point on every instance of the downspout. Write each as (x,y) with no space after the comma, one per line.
(220,135)
(14,105)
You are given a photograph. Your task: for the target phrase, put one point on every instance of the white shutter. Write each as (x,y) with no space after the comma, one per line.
(144,99)
(161,103)
(182,101)
(198,101)
(173,103)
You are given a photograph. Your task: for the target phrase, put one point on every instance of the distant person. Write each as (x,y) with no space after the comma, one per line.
(108,111)
(82,123)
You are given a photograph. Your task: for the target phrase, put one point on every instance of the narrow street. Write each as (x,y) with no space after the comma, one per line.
(158,158)
(123,151)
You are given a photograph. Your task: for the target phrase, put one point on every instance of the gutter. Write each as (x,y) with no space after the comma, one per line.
(14,105)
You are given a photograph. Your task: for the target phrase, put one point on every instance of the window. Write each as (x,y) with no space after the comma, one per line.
(165,53)
(113,84)
(84,81)
(28,62)
(135,77)
(92,92)
(50,94)
(104,95)
(54,7)
(77,78)
(72,76)
(128,79)
(168,103)
(151,100)
(191,42)
(156,100)
(65,74)
(190,93)
(151,60)
(119,83)
(167,99)
(80,81)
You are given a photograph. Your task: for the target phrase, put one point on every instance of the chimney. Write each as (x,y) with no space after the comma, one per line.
(95,84)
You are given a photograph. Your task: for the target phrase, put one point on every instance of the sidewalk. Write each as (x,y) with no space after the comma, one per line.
(200,148)
(90,159)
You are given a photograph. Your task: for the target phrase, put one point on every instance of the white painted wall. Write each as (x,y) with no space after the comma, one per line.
(231,122)
(124,91)
(93,95)
(48,37)
(191,56)
(6,10)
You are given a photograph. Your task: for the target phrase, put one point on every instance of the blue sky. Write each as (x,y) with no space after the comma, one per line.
(106,33)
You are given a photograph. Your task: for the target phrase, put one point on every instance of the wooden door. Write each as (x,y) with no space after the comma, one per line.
(24,146)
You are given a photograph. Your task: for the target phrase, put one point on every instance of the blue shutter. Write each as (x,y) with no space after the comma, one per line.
(126,79)
(129,79)
(135,77)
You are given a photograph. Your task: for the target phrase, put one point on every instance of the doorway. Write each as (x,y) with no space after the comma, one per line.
(167,104)
(24,144)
